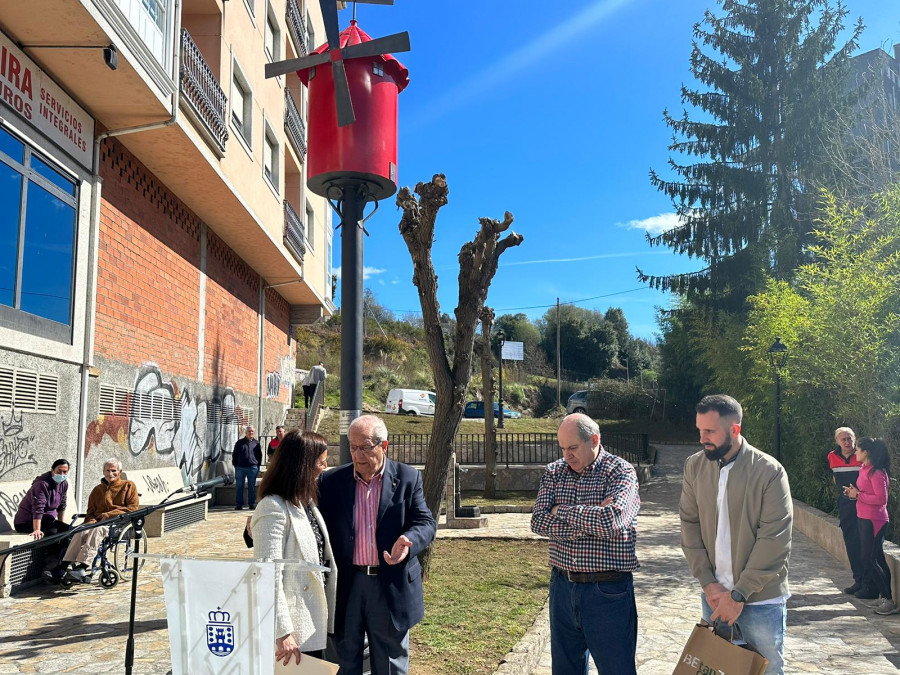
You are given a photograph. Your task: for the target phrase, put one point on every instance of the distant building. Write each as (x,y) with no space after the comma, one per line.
(876,74)
(148,283)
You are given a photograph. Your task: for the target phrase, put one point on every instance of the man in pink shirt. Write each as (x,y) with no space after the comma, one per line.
(378,524)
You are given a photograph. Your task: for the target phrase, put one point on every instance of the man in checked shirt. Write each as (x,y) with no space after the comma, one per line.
(587,505)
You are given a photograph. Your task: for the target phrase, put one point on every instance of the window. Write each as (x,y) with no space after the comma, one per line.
(270,157)
(310,224)
(378,69)
(241,105)
(329,270)
(310,34)
(251,7)
(273,35)
(37,241)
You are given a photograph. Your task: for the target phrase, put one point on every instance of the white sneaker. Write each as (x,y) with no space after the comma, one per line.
(874,603)
(886,607)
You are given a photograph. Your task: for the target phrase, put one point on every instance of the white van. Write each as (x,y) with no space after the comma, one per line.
(410,402)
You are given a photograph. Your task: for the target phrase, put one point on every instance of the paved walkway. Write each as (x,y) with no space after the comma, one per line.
(827,631)
(83,630)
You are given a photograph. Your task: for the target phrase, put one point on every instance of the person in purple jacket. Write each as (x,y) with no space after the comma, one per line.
(42,512)
(871,495)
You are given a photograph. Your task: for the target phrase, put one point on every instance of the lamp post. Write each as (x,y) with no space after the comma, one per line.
(501,336)
(777,356)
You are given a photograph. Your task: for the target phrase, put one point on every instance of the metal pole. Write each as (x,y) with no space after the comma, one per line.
(558,361)
(352,204)
(777,415)
(138,526)
(500,388)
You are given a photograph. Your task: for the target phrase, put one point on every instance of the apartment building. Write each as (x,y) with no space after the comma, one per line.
(157,239)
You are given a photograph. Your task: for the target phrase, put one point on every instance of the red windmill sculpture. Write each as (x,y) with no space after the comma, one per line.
(352,159)
(353,107)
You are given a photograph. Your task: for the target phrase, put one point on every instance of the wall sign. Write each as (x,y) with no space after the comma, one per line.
(32,95)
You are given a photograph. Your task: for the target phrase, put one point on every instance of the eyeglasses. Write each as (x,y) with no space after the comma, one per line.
(364,449)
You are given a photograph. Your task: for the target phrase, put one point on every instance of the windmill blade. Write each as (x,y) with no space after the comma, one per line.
(330,17)
(342,94)
(398,42)
(293,65)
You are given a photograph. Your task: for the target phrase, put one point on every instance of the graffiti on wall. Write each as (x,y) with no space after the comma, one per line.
(15,444)
(273,385)
(167,420)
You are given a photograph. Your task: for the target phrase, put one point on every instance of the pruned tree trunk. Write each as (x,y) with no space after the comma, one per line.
(487,387)
(478,261)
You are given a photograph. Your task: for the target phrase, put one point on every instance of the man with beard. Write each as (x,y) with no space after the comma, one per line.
(736,516)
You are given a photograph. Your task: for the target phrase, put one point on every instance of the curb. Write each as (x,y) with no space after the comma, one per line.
(526,654)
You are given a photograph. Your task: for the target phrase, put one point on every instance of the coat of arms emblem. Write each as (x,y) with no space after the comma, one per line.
(220,633)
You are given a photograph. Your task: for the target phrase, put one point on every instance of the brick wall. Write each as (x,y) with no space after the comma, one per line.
(148,262)
(148,287)
(278,314)
(232,328)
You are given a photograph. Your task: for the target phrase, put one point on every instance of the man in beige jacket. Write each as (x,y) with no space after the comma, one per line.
(736,516)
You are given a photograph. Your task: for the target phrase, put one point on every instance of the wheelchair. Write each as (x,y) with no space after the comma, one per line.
(113,558)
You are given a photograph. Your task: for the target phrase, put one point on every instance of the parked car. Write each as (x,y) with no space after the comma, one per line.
(410,402)
(578,402)
(476,409)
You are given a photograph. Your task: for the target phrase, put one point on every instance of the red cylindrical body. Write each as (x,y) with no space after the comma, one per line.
(366,150)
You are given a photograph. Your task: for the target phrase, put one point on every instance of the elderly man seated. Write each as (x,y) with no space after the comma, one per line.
(113,497)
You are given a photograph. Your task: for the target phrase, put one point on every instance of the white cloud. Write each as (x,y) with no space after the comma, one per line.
(368,272)
(654,225)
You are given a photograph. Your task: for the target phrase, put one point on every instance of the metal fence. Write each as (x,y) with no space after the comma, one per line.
(514,448)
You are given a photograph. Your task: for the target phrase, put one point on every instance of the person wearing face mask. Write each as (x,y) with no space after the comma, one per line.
(736,518)
(42,512)
(113,497)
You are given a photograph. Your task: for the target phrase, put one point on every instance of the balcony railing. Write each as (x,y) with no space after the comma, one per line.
(294,233)
(297,27)
(293,124)
(201,89)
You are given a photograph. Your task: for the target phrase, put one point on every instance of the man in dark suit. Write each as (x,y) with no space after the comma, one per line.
(378,524)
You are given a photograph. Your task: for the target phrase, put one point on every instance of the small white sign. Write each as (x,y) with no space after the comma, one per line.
(514,351)
(347,416)
(33,96)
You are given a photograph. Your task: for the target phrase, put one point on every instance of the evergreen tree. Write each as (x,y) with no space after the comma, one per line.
(773,76)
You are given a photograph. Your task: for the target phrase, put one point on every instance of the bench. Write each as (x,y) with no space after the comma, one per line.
(154,485)
(22,568)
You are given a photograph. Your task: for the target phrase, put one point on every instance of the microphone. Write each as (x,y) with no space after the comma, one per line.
(207,484)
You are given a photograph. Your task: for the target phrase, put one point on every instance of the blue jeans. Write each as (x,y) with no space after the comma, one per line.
(596,618)
(763,628)
(248,474)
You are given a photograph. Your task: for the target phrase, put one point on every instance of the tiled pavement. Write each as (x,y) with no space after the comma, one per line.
(83,630)
(827,632)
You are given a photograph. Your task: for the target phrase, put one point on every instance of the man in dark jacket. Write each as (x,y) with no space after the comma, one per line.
(378,524)
(246,458)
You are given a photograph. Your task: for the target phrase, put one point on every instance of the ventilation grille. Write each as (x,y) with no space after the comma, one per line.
(129,403)
(195,512)
(216,413)
(28,391)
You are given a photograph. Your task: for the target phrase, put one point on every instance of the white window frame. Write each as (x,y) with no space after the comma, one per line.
(310,226)
(272,22)
(244,131)
(269,136)
(251,9)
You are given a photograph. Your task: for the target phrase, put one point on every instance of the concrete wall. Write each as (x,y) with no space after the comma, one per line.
(826,532)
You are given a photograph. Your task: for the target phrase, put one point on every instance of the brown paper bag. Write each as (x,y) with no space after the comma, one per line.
(709,654)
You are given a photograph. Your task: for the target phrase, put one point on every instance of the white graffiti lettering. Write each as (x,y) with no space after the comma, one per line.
(15,444)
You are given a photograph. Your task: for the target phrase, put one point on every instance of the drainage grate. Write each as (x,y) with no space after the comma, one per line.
(184,516)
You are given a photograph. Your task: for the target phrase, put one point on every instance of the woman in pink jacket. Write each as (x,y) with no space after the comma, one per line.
(871,495)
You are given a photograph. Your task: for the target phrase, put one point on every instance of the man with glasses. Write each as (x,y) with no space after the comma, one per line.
(378,524)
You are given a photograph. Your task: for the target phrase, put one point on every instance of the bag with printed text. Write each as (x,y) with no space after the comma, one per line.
(707,653)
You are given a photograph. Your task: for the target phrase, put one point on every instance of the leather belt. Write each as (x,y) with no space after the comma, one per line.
(593,577)
(368,570)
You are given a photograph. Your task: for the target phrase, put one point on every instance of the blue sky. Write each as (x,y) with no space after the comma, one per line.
(552,111)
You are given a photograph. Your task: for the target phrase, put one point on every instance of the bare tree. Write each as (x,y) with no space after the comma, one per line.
(478,261)
(487,386)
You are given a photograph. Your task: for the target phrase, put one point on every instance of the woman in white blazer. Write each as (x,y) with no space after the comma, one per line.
(287,524)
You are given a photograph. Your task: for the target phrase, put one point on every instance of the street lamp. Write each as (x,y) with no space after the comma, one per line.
(501,336)
(777,356)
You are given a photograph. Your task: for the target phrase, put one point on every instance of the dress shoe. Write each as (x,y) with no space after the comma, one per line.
(238,508)
(866,594)
(851,590)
